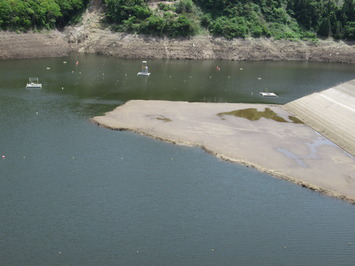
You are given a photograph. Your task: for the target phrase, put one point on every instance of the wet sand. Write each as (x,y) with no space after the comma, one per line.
(263,136)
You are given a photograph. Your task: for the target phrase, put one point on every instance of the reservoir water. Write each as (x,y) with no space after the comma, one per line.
(72,193)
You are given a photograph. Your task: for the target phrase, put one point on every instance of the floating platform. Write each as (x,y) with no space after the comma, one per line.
(33,83)
(143,74)
(267,94)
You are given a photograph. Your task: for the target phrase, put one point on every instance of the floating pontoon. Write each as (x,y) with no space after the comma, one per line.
(33,83)
(144,71)
(267,94)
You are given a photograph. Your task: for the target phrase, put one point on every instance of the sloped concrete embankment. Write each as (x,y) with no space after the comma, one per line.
(331,113)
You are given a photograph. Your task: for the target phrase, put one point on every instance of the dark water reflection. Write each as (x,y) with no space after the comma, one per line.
(107,78)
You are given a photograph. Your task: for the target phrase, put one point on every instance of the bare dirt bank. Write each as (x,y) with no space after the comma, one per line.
(91,36)
(207,47)
(33,45)
(100,41)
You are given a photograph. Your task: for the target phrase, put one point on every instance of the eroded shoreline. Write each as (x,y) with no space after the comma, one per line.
(287,150)
(93,37)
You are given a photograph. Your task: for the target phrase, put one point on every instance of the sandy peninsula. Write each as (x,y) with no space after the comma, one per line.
(266,137)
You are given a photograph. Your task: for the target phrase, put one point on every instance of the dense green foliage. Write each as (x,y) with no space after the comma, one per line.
(281,19)
(291,19)
(174,20)
(30,14)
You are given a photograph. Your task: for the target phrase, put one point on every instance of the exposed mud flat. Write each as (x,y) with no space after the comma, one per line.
(262,136)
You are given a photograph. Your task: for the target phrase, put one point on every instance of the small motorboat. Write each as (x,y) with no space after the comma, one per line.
(144,71)
(267,94)
(33,83)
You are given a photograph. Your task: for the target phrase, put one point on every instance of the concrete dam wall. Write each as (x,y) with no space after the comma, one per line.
(331,113)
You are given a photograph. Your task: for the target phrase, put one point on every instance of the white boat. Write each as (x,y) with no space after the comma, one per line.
(33,83)
(267,94)
(144,71)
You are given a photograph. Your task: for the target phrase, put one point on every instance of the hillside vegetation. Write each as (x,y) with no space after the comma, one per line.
(38,14)
(280,19)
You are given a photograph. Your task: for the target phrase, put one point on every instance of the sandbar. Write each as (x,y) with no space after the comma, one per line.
(263,136)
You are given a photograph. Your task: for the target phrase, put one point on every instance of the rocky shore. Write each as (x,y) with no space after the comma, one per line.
(105,42)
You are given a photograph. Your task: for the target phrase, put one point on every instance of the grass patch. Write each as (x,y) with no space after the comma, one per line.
(253,114)
(165,119)
(295,120)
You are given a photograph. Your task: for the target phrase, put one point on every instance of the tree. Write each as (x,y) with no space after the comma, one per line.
(349,10)
(349,30)
(30,14)
(325,27)
(184,6)
(120,10)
